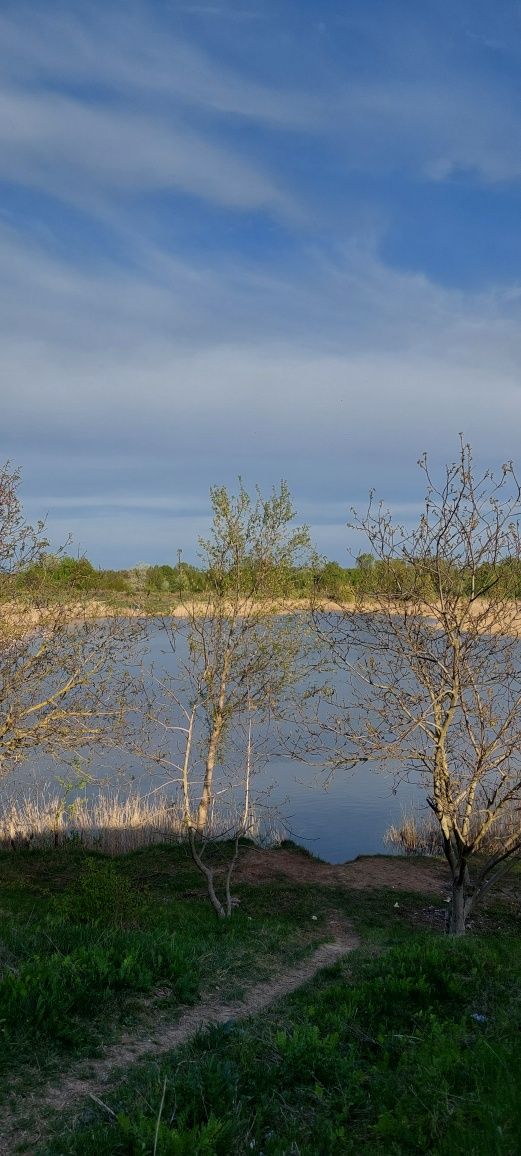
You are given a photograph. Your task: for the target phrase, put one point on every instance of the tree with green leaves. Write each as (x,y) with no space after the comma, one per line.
(245,654)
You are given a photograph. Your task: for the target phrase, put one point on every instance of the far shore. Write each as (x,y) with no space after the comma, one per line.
(20,614)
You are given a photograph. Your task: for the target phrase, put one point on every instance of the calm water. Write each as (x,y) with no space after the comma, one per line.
(346,819)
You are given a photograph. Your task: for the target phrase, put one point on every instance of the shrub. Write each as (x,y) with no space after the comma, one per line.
(101,896)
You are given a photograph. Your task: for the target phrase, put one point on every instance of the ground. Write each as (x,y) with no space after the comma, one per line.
(365,873)
(112,968)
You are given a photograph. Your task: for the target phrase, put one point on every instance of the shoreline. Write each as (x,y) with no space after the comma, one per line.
(16,613)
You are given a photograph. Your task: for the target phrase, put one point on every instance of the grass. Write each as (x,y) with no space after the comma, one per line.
(410,1046)
(413,1052)
(90,945)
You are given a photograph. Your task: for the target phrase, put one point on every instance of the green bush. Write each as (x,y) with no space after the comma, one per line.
(139,1136)
(102,896)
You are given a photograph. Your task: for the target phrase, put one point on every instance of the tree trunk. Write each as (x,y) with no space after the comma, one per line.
(203,809)
(213,748)
(208,874)
(206,793)
(459,908)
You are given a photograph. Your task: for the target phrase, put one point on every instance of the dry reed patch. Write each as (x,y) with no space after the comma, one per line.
(110,822)
(420,834)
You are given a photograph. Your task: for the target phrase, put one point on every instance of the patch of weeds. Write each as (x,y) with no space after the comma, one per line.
(102,896)
(84,939)
(47,994)
(417,1053)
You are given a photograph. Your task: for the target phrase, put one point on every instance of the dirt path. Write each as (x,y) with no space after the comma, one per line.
(165,1036)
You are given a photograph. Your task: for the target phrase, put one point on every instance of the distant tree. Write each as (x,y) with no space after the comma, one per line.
(193,579)
(181,579)
(112,581)
(302,580)
(162,578)
(365,561)
(138,577)
(74,573)
(334,581)
(432,663)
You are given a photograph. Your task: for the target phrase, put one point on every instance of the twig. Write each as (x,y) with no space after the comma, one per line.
(102,1105)
(158,1121)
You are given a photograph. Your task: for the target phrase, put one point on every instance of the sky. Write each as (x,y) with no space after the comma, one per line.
(257,238)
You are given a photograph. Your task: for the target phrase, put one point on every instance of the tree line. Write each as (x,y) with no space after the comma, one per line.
(68,575)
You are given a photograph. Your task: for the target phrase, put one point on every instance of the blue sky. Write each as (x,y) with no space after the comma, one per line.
(267,239)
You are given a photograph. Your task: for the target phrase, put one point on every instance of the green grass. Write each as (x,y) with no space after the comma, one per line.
(88,945)
(383,1055)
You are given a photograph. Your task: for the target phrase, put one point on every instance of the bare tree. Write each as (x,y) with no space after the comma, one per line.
(431,661)
(239,653)
(62,680)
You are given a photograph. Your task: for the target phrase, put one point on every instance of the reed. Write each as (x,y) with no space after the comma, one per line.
(113,822)
(420,834)
(108,822)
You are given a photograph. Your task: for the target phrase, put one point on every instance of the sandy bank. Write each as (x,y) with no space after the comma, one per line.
(16,617)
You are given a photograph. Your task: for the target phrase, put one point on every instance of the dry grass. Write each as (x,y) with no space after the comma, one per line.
(418,834)
(111,822)
(415,834)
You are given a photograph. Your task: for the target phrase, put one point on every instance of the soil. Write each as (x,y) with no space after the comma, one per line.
(429,876)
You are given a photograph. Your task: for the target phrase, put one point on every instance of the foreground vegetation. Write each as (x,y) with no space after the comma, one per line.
(417,1051)
(83,936)
(92,947)
(410,1045)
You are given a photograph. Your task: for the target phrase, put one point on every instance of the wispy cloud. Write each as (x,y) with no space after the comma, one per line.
(104,55)
(56,144)
(437,127)
(185,506)
(193,220)
(365,356)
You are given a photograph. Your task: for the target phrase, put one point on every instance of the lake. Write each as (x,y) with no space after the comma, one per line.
(346,819)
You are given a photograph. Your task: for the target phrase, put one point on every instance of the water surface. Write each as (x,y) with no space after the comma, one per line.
(347,818)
